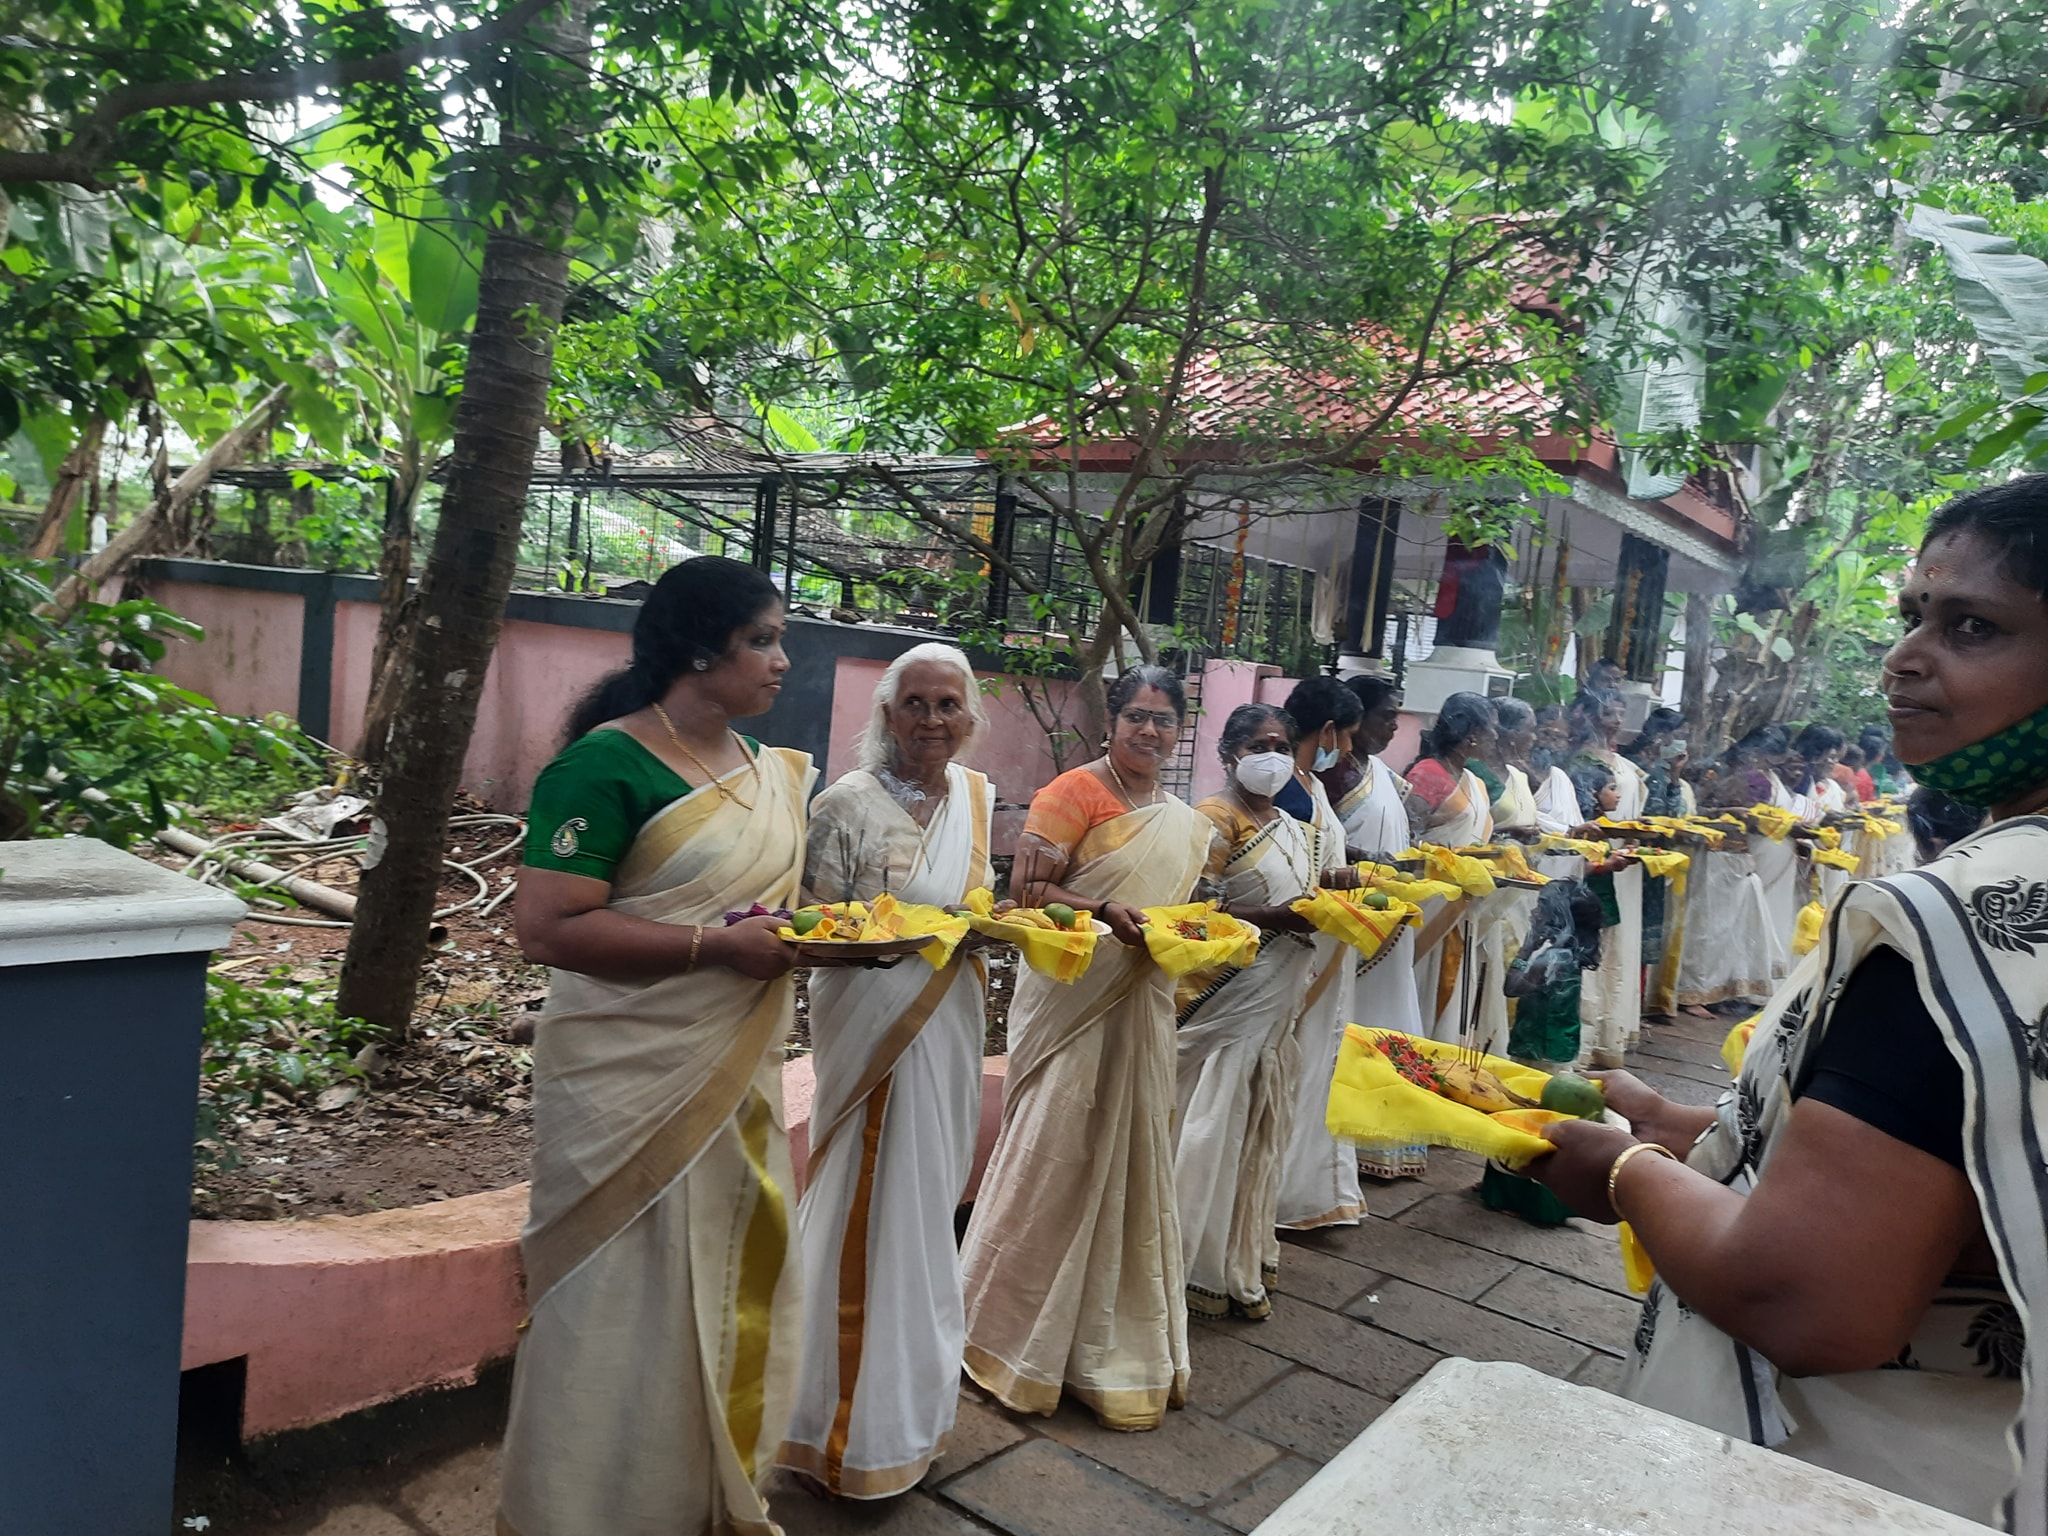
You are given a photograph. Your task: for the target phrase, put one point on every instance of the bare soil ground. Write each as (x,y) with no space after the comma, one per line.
(446,1112)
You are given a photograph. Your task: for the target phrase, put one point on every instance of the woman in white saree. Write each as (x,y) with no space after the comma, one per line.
(1458,981)
(1072,1260)
(657,1369)
(1850,1259)
(1238,1058)
(1318,1173)
(1611,998)
(898,1061)
(1374,809)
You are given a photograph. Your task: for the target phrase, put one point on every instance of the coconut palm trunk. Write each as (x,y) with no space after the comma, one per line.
(460,609)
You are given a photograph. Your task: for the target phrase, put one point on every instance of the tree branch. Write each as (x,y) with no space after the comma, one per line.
(81,161)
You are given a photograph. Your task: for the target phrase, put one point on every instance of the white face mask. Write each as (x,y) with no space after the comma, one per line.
(1265,773)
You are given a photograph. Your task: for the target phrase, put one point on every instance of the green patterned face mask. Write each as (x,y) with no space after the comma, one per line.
(1994,770)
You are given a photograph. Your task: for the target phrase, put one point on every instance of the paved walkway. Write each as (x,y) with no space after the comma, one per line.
(1363,1312)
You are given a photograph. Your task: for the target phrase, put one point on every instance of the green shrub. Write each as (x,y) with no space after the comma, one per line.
(90,742)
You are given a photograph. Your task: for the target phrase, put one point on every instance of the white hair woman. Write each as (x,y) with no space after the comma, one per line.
(898,1058)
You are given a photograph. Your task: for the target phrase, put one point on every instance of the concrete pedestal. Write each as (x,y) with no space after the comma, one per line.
(102,986)
(1499,1450)
(1452,669)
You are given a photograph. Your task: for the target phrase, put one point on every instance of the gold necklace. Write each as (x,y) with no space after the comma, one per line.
(1110,764)
(716,781)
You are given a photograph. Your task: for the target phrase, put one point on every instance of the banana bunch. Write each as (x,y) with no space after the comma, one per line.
(1463,1083)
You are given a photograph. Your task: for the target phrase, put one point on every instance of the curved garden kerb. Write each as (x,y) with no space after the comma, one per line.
(339,1313)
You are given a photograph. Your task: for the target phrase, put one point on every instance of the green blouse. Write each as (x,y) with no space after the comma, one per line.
(590,803)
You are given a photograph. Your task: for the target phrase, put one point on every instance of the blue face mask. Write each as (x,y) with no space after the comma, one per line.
(1326,759)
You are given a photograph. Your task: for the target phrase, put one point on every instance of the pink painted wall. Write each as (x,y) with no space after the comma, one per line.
(248,663)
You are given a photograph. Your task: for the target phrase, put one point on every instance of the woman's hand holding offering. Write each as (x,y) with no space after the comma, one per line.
(1126,923)
(1651,1116)
(1577,1171)
(750,947)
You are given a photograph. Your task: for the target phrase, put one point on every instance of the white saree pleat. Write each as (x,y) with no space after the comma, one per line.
(1237,1064)
(1072,1260)
(1318,1173)
(893,1129)
(1731,950)
(1610,998)
(665,1317)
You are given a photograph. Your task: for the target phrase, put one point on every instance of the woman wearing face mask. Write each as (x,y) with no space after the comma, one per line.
(1869,1195)
(898,1105)
(1238,1061)
(1371,799)
(1318,1173)
(1072,1261)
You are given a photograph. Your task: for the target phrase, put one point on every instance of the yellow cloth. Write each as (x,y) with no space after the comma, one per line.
(1836,858)
(1365,929)
(1384,877)
(1585,848)
(1774,821)
(1510,864)
(1688,826)
(885,918)
(1666,866)
(1736,1046)
(1806,932)
(1636,1267)
(1232,942)
(1373,1104)
(1468,874)
(1063,956)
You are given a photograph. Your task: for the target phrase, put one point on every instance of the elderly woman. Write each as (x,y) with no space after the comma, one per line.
(1073,1257)
(1239,1063)
(898,1058)
(1869,1196)
(656,1374)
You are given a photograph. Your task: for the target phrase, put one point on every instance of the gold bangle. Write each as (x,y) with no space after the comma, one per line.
(1614,1168)
(697,943)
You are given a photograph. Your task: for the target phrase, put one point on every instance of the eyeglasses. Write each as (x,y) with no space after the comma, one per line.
(1164,719)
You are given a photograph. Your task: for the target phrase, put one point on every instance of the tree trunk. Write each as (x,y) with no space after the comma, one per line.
(459,610)
(395,607)
(81,467)
(1699,653)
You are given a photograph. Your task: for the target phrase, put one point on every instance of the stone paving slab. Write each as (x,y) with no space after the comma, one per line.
(1394,1248)
(1344,1349)
(1225,1368)
(1265,1493)
(1041,1488)
(1312,1414)
(1581,1250)
(1457,1327)
(1567,1306)
(1191,1458)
